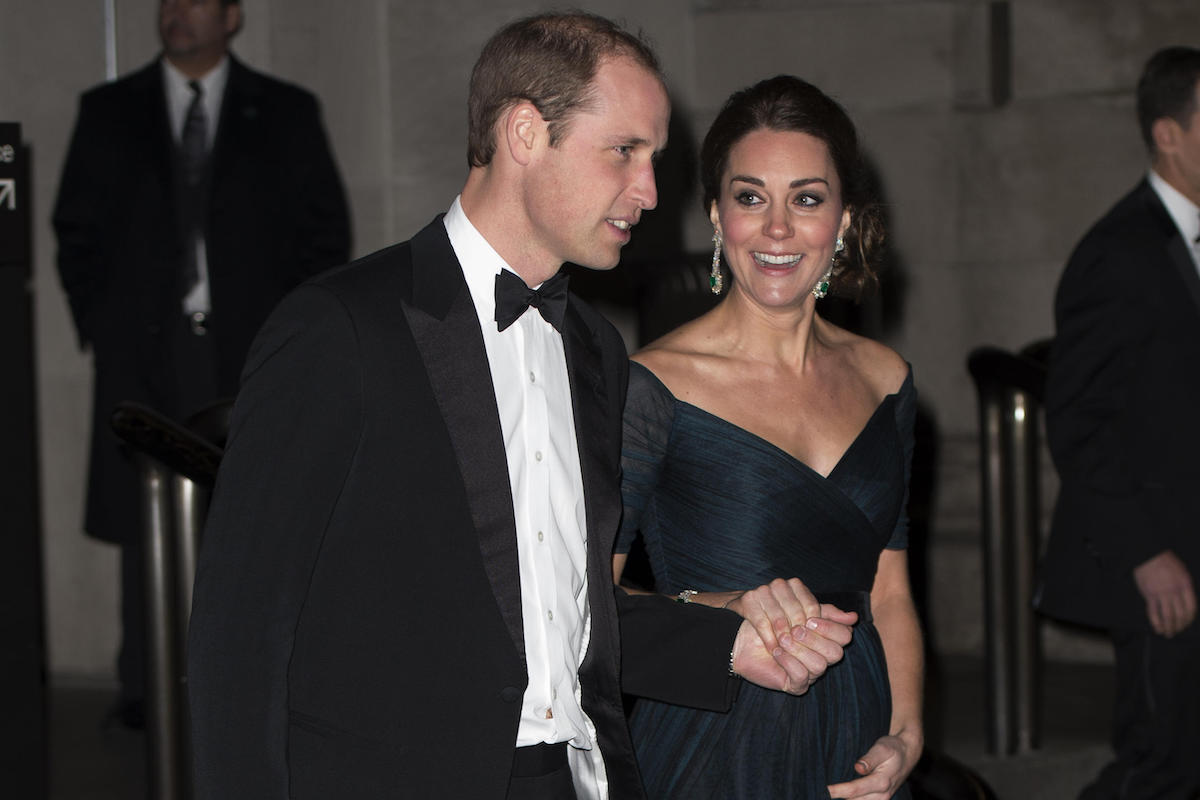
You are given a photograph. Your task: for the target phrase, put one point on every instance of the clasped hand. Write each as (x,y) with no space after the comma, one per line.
(787,639)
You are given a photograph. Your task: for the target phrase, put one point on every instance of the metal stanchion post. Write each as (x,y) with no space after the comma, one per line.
(178,465)
(162,691)
(1026,514)
(191,503)
(1009,387)
(992,413)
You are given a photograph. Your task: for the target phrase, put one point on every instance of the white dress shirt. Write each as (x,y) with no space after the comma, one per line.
(533,394)
(1183,211)
(179,99)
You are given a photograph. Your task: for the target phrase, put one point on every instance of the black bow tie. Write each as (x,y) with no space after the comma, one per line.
(513,297)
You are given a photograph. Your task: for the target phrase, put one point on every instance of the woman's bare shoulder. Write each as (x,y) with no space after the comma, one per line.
(881,367)
(680,358)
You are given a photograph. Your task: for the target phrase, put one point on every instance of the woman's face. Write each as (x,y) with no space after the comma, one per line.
(779,212)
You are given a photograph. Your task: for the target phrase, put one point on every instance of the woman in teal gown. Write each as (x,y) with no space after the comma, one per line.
(764,441)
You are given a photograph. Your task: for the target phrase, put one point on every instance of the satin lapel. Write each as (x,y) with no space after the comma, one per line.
(446,329)
(1177,249)
(588,402)
(1181,259)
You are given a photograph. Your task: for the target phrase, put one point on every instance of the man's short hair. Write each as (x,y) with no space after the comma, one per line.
(1167,88)
(549,60)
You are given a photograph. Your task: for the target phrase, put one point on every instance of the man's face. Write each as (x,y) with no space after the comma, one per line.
(1189,151)
(196,30)
(1180,156)
(584,196)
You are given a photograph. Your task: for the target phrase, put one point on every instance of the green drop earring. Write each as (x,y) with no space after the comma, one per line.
(716,280)
(822,287)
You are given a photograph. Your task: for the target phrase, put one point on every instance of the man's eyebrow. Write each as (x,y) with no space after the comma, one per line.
(631,141)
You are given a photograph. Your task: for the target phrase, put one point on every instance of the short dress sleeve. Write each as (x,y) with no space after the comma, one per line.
(649,418)
(906,417)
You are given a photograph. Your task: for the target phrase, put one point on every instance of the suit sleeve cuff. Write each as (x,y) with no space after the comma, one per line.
(677,653)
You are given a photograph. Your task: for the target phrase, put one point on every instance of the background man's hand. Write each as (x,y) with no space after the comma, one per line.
(1170,597)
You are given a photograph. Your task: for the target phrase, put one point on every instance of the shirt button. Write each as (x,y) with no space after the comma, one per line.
(532,377)
(550,614)
(537,456)
(541,536)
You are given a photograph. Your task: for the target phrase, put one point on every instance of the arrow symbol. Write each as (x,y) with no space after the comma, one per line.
(8,191)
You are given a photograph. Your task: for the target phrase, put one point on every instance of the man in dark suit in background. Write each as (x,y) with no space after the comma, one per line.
(195,194)
(405,585)
(1123,422)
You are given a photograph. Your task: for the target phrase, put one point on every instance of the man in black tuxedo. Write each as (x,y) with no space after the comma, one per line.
(1123,427)
(405,586)
(195,194)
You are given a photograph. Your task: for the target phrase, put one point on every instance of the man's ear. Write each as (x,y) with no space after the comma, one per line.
(1165,133)
(523,127)
(233,19)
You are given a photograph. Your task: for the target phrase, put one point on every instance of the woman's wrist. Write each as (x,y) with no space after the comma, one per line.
(710,599)
(913,736)
(721,599)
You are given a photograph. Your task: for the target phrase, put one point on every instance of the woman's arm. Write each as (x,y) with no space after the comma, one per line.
(887,764)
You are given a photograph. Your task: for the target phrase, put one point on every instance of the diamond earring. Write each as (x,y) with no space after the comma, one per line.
(822,287)
(716,281)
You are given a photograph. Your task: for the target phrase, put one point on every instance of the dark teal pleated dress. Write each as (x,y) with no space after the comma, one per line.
(720,509)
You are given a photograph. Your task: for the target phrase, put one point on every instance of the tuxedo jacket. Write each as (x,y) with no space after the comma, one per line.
(276,215)
(357,630)
(1122,414)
